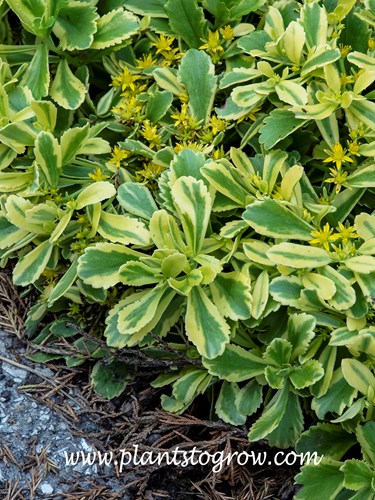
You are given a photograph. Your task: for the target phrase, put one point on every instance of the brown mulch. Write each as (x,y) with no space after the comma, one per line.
(135,419)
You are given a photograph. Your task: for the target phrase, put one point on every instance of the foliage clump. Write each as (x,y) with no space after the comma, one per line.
(203,173)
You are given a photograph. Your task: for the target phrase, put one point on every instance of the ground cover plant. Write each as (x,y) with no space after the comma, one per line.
(202,173)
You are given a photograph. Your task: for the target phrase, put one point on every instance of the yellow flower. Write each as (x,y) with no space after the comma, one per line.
(145,62)
(218,153)
(171,56)
(338,178)
(118,155)
(323,237)
(217,125)
(150,172)
(371,43)
(181,117)
(353,148)
(346,233)
(337,155)
(98,175)
(180,146)
(227,32)
(126,80)
(150,133)
(344,50)
(213,43)
(251,115)
(163,44)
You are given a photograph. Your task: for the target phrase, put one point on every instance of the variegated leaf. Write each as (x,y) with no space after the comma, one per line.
(67,90)
(298,256)
(94,193)
(123,229)
(205,327)
(114,27)
(133,317)
(193,203)
(30,266)
(100,265)
(271,218)
(231,294)
(236,364)
(136,199)
(48,155)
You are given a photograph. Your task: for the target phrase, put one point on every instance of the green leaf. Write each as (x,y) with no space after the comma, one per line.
(306,374)
(298,256)
(271,416)
(227,181)
(365,226)
(205,326)
(75,25)
(29,12)
(9,234)
(64,283)
(193,202)
(123,229)
(320,58)
(339,395)
(300,332)
(358,375)
(249,398)
(357,474)
(361,60)
(99,266)
(327,440)
(158,104)
(187,21)
(110,380)
(325,478)
(37,75)
(364,111)
(278,352)
(94,193)
(236,364)
(152,8)
(30,266)
(138,274)
(67,90)
(136,199)
(165,232)
(290,426)
(71,141)
(133,317)
(260,294)
(324,286)
(167,80)
(256,251)
(344,297)
(363,264)
(294,41)
(226,407)
(231,294)
(291,92)
(271,218)
(113,28)
(187,386)
(197,73)
(362,177)
(315,23)
(46,114)
(48,155)
(366,438)
(17,136)
(286,290)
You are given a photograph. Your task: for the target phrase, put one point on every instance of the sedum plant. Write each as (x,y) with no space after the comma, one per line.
(202,173)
